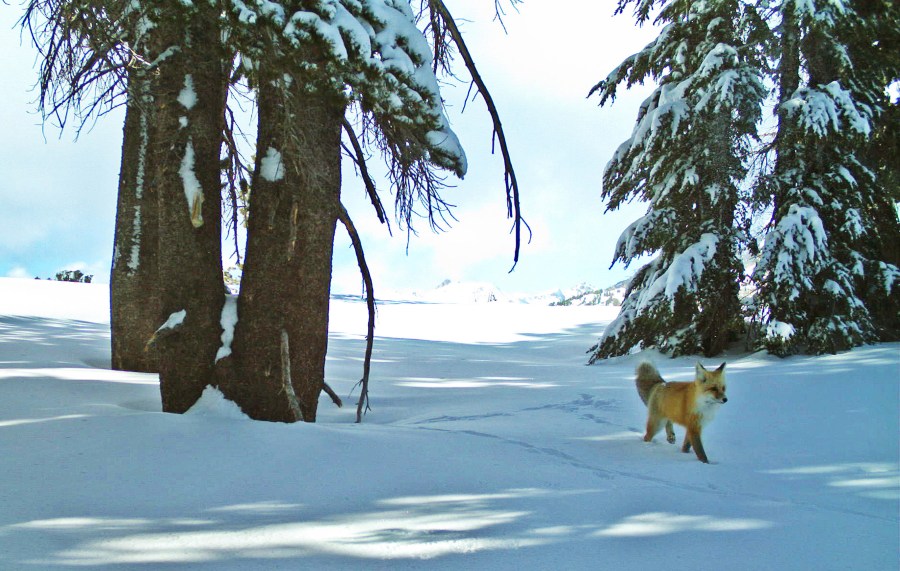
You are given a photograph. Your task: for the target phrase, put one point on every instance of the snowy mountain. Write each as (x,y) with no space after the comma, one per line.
(587,295)
(450,291)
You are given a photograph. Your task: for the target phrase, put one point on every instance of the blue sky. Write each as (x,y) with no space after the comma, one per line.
(59,193)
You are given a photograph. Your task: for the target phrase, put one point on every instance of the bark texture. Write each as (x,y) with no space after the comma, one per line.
(134,288)
(294,206)
(191,87)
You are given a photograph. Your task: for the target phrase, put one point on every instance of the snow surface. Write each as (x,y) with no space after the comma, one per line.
(491,446)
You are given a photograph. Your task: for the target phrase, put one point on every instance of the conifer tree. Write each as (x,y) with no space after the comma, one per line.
(822,276)
(687,158)
(313,65)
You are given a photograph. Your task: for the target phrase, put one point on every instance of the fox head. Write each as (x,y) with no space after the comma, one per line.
(712,383)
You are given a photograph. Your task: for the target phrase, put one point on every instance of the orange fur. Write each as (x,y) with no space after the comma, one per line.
(691,404)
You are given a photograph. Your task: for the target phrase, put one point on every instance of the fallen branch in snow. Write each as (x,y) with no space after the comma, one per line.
(344,217)
(513,206)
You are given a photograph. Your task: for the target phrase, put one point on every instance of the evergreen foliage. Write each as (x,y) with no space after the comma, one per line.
(821,275)
(827,178)
(686,158)
(313,67)
(76,276)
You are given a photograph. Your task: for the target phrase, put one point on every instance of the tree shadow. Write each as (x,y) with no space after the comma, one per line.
(34,342)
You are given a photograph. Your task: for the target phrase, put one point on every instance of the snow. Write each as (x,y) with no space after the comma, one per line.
(271,168)
(213,404)
(228,321)
(193,191)
(830,108)
(134,261)
(490,446)
(174,321)
(188,97)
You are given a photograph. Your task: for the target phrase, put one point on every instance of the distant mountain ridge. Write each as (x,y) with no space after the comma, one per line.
(450,291)
(585,294)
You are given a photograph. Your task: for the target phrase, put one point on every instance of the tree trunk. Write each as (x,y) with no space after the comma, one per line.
(191,95)
(284,299)
(788,75)
(134,289)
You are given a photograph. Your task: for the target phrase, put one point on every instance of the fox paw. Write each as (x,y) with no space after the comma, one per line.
(671,438)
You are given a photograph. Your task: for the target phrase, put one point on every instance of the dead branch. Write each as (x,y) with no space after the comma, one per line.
(512,186)
(358,157)
(334,397)
(344,217)
(236,171)
(286,384)
(85,50)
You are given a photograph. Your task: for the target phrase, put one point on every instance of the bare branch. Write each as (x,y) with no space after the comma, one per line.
(237,171)
(499,12)
(363,404)
(512,186)
(359,158)
(85,55)
(334,396)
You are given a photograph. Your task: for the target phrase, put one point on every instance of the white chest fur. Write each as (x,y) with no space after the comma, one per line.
(707,407)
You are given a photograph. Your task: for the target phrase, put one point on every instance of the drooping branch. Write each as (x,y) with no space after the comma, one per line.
(499,12)
(363,404)
(512,186)
(237,173)
(86,50)
(358,157)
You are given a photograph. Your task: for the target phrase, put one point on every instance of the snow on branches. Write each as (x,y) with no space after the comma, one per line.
(371,53)
(697,157)
(685,157)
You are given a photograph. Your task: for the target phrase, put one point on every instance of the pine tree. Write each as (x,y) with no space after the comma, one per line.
(135,311)
(310,63)
(92,59)
(687,158)
(822,271)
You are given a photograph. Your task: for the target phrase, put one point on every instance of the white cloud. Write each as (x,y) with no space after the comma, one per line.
(18,272)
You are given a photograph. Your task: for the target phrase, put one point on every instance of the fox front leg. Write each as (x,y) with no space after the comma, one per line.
(693,438)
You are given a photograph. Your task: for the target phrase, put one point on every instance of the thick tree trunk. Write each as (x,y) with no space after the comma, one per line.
(134,288)
(286,282)
(191,95)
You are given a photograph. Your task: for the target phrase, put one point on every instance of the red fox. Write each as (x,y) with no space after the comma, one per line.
(690,404)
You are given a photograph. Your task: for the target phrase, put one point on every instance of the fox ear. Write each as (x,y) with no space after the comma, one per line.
(721,368)
(700,371)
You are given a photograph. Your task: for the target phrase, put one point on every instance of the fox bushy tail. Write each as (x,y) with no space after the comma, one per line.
(646,378)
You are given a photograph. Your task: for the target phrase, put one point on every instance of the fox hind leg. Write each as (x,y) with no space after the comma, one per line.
(670,432)
(654,425)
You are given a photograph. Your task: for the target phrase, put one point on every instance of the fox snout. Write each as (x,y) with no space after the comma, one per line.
(724,400)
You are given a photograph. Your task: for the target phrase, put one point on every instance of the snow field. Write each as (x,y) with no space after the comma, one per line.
(490,446)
